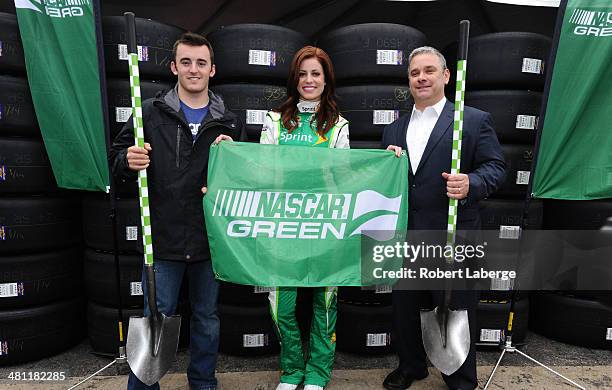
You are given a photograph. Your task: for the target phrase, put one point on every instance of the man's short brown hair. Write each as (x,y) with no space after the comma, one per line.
(193,39)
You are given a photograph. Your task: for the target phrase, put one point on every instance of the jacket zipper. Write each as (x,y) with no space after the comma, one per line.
(178,145)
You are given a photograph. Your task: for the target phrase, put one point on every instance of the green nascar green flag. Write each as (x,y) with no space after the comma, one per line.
(575,153)
(296,216)
(59,43)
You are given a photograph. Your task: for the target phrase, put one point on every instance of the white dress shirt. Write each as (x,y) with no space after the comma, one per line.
(419,129)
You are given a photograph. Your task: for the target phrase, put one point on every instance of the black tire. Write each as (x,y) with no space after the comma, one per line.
(369,108)
(232,45)
(354,51)
(604,297)
(241,295)
(12,59)
(248,101)
(518,166)
(572,320)
(584,218)
(38,279)
(515,113)
(34,333)
(120,99)
(99,270)
(497,61)
(364,330)
(303,311)
(499,295)
(34,223)
(25,166)
(492,320)
(515,17)
(102,326)
(509,212)
(158,38)
(373,144)
(576,214)
(17,116)
(501,223)
(97,227)
(364,296)
(241,326)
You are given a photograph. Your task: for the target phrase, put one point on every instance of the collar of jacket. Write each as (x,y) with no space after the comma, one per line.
(216,107)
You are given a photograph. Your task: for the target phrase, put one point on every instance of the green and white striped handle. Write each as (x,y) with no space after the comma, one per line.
(143,188)
(464,28)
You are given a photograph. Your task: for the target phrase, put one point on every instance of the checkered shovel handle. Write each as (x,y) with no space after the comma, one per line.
(143,188)
(458,126)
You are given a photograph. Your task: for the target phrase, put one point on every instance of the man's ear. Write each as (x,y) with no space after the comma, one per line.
(446,75)
(173,68)
(213,69)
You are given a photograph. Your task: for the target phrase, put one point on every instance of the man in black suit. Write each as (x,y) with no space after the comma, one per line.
(427,135)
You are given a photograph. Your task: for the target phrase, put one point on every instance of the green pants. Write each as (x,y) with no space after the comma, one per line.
(317,369)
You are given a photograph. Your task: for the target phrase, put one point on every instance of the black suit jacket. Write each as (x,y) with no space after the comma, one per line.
(481,158)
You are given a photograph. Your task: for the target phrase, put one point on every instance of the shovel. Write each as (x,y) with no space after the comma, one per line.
(152,341)
(446,332)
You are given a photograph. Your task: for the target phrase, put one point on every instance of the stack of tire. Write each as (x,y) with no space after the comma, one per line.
(371,62)
(41,312)
(579,317)
(246,325)
(364,320)
(100,275)
(252,66)
(505,77)
(155,41)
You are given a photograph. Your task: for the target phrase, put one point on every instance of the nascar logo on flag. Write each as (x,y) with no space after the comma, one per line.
(306,215)
(55,9)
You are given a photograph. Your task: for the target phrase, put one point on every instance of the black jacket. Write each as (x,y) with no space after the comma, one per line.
(481,159)
(177,172)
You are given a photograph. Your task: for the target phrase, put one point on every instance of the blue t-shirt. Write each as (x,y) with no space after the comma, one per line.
(194,117)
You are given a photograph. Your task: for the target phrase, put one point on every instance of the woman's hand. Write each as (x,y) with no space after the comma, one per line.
(222,137)
(396,149)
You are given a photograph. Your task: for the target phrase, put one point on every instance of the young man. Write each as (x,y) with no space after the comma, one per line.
(179,127)
(426,133)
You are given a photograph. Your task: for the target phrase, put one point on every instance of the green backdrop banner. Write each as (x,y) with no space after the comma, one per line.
(296,216)
(575,153)
(59,43)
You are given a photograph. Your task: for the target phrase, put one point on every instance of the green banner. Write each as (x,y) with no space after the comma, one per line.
(296,216)
(575,153)
(59,43)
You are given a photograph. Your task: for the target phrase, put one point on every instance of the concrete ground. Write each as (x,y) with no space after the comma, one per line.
(589,367)
(597,377)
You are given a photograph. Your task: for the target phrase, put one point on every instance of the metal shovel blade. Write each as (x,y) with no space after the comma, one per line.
(151,346)
(447,345)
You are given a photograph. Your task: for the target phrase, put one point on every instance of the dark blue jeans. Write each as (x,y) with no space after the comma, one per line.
(204,326)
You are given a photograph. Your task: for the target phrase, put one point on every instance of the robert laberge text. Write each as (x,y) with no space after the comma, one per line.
(437,273)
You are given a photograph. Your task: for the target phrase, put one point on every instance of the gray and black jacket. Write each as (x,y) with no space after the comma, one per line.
(177,172)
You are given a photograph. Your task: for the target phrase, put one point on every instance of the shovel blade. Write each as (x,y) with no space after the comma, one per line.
(150,354)
(450,358)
